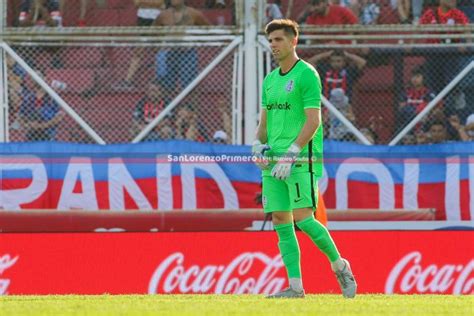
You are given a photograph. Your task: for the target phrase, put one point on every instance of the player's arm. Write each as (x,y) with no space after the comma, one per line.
(313,120)
(259,145)
(261,134)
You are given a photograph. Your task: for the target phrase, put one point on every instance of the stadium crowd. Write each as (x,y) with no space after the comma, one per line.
(452,119)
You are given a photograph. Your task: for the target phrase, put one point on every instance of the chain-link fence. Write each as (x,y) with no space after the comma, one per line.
(100,13)
(382,87)
(381,84)
(119,90)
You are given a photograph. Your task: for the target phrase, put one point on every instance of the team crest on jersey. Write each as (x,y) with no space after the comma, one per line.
(289,85)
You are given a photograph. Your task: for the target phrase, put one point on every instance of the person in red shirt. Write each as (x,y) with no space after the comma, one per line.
(445,13)
(442,68)
(415,98)
(325,14)
(320,12)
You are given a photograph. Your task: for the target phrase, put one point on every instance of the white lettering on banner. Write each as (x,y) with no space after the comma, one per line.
(119,181)
(411,175)
(452,196)
(164,184)
(235,278)
(188,179)
(12,199)
(370,166)
(432,279)
(79,167)
(6,261)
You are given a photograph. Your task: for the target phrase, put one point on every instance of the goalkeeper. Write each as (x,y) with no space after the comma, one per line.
(288,148)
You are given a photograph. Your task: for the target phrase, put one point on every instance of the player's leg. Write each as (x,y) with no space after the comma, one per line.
(275,201)
(303,197)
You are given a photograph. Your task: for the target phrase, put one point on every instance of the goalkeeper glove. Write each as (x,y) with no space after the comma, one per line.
(282,169)
(258,151)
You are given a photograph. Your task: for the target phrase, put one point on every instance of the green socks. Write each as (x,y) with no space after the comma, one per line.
(289,249)
(320,236)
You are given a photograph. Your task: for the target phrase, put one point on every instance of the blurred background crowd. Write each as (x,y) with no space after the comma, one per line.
(380,91)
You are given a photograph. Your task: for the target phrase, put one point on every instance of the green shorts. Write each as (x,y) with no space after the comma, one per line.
(300,190)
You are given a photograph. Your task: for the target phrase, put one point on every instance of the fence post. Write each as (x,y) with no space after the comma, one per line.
(250,73)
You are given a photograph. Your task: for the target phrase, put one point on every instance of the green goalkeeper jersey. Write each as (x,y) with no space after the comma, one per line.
(285,97)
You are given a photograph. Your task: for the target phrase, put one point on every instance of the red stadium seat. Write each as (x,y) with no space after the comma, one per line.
(104,17)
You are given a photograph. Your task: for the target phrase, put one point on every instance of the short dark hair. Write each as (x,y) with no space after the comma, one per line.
(287,25)
(315,2)
(338,53)
(417,71)
(437,122)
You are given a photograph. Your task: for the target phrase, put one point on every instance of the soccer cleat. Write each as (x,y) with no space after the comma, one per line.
(287,293)
(346,280)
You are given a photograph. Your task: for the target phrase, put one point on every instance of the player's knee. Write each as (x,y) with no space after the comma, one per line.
(279,218)
(302,213)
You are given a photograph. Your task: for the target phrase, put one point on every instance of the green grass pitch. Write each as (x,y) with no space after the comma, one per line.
(328,305)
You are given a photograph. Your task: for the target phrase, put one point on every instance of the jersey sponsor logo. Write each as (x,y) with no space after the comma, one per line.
(284,106)
(289,85)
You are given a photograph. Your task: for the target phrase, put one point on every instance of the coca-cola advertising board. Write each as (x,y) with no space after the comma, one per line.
(428,262)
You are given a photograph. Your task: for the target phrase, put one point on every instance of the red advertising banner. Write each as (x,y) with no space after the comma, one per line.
(429,262)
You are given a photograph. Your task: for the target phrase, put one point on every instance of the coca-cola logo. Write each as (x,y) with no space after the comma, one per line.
(6,261)
(409,274)
(249,273)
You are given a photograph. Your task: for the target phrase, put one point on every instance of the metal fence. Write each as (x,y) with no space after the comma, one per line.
(119,90)
(381,84)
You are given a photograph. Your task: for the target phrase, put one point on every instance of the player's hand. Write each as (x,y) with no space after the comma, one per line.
(282,169)
(258,151)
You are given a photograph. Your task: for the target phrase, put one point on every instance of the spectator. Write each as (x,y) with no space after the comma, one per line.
(147,108)
(16,75)
(408,139)
(415,98)
(352,5)
(403,8)
(438,132)
(464,133)
(272,12)
(39,113)
(337,73)
(369,12)
(337,130)
(369,134)
(179,62)
(188,126)
(422,137)
(220,137)
(441,68)
(225,117)
(148,11)
(469,128)
(323,13)
(39,13)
